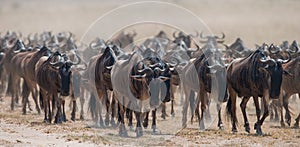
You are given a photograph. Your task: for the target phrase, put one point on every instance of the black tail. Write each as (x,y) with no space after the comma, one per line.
(9,86)
(92,105)
(41,100)
(192,104)
(229,108)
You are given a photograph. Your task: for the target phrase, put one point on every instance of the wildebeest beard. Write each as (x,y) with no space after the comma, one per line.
(276,80)
(158,92)
(65,75)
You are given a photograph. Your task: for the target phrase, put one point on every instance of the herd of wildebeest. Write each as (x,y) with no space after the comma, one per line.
(124,78)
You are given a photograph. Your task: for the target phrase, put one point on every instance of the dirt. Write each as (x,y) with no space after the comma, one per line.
(254,21)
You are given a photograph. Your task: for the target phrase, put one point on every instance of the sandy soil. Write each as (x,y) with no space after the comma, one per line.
(254,21)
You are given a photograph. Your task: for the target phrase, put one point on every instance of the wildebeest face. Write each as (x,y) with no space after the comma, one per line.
(276,79)
(65,74)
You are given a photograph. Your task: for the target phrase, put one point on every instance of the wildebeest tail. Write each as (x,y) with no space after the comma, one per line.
(41,100)
(92,105)
(9,86)
(192,105)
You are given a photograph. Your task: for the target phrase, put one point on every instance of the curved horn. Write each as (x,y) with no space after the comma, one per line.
(216,66)
(267,61)
(174,34)
(194,50)
(272,49)
(203,37)
(78,60)
(84,68)
(286,60)
(197,34)
(295,47)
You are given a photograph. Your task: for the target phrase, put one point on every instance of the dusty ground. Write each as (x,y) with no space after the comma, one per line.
(254,21)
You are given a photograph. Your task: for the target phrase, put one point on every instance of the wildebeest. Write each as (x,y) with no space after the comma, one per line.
(139,83)
(255,76)
(54,80)
(290,86)
(206,74)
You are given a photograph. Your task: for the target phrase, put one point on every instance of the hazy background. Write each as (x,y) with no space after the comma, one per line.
(255,21)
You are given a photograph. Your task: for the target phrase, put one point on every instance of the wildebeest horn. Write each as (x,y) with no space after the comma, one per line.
(78,60)
(164,78)
(294,47)
(138,76)
(216,66)
(159,69)
(194,50)
(174,64)
(84,68)
(267,61)
(197,34)
(223,36)
(203,37)
(153,65)
(286,60)
(174,34)
(134,33)
(273,50)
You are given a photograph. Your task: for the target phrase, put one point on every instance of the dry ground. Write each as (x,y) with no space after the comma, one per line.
(254,21)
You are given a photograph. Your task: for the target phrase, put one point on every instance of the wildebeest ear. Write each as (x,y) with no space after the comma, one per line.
(285,72)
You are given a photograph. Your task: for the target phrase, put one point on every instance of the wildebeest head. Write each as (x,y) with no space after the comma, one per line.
(212,40)
(155,75)
(274,69)
(64,68)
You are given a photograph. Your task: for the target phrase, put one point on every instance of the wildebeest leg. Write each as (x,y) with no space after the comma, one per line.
(203,101)
(129,117)
(265,115)
(34,96)
(139,129)
(25,95)
(173,90)
(286,107)
(146,119)
(243,108)
(73,114)
(220,123)
(122,129)
(257,109)
(58,116)
(185,107)
(107,104)
(100,96)
(113,111)
(207,112)
(231,108)
(45,102)
(163,110)
(172,107)
(48,99)
(82,100)
(296,125)
(64,118)
(154,130)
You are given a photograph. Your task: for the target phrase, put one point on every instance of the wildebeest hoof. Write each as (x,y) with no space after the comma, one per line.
(113,123)
(173,114)
(81,117)
(296,126)
(247,128)
(234,130)
(282,124)
(288,121)
(145,124)
(201,125)
(139,132)
(258,130)
(184,125)
(106,121)
(221,127)
(131,128)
